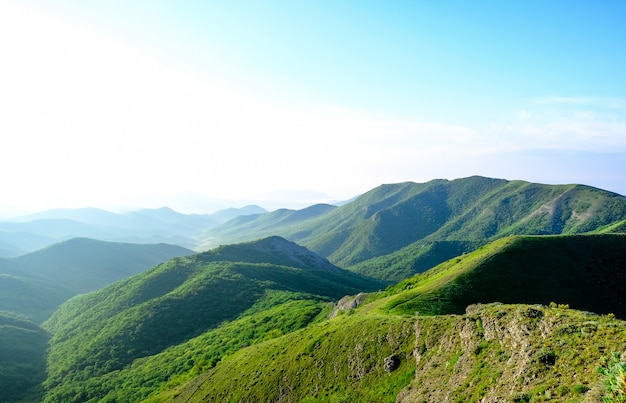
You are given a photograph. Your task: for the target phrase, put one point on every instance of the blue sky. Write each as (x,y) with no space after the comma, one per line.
(126,103)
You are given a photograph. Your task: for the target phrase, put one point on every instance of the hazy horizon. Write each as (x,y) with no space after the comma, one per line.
(151,104)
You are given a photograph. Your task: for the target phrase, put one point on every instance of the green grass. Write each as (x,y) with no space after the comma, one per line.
(334,361)
(523,270)
(275,344)
(501,352)
(97,337)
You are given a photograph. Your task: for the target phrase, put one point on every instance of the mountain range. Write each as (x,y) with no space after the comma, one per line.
(26,234)
(220,326)
(474,289)
(415,226)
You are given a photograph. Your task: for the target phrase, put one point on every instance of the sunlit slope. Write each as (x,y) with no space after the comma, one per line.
(96,335)
(588,272)
(456,215)
(494,352)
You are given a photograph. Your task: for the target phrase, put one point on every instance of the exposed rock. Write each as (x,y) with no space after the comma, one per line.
(391,363)
(348,302)
(299,255)
(496,353)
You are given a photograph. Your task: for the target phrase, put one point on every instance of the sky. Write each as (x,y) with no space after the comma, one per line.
(122,104)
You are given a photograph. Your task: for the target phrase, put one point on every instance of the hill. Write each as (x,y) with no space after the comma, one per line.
(22,360)
(436,219)
(100,337)
(35,284)
(587,272)
(163,225)
(492,354)
(420,341)
(219,326)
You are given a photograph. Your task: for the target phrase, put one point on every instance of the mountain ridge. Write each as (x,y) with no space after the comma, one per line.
(444,335)
(469,211)
(182,299)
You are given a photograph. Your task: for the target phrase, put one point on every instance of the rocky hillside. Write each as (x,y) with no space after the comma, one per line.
(418,341)
(493,353)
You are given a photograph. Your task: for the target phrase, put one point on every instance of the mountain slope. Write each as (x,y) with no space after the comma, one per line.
(492,354)
(184,298)
(588,272)
(37,283)
(22,359)
(388,350)
(467,212)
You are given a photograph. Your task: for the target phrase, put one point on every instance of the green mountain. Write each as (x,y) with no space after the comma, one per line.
(420,341)
(201,306)
(221,326)
(494,353)
(22,360)
(35,284)
(435,220)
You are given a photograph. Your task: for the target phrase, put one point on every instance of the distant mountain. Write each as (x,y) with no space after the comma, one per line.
(15,243)
(444,216)
(35,284)
(203,295)
(251,227)
(163,225)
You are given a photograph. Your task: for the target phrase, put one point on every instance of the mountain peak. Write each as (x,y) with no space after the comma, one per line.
(274,250)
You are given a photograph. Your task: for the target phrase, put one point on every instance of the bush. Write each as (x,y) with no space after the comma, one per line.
(614,380)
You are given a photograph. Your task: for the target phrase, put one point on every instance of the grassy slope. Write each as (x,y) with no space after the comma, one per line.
(433,220)
(496,352)
(588,272)
(500,353)
(96,335)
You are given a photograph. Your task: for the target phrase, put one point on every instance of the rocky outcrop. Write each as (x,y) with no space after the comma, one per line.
(503,353)
(348,302)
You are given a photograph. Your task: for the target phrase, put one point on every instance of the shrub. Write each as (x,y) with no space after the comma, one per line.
(614,380)
(580,389)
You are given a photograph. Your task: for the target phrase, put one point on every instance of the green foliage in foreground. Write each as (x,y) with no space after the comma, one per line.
(614,380)
(276,314)
(22,362)
(486,352)
(340,360)
(503,353)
